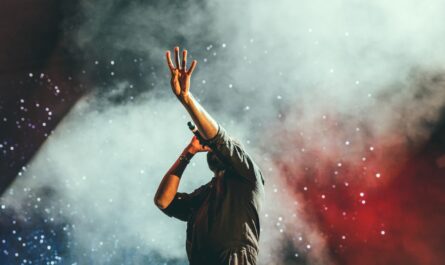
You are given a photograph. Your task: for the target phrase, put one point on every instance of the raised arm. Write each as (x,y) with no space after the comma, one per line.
(233,153)
(180,83)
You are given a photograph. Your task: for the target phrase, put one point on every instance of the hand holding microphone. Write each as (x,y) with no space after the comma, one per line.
(198,143)
(195,131)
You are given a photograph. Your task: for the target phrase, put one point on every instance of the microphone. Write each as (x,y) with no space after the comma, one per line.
(195,131)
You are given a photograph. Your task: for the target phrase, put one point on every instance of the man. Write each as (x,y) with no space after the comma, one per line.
(223,215)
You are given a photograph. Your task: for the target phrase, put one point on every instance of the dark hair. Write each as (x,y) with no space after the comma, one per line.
(217,163)
(214,162)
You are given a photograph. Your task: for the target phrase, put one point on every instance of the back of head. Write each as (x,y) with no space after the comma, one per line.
(216,163)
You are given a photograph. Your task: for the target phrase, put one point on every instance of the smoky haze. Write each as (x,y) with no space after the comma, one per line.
(266,71)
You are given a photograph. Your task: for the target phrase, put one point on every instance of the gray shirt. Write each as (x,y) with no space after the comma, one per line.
(220,224)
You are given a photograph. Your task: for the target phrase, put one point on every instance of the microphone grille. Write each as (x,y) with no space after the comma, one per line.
(191,125)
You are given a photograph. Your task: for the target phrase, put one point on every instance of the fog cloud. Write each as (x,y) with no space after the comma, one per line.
(273,73)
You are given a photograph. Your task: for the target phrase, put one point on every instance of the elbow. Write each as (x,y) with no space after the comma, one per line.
(160,203)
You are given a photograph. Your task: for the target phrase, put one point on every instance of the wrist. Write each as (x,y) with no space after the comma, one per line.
(186,156)
(189,152)
(186,99)
(184,159)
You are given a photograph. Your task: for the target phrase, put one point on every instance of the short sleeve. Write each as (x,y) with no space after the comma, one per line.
(235,156)
(182,205)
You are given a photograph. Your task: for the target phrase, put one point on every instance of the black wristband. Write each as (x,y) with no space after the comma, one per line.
(184,158)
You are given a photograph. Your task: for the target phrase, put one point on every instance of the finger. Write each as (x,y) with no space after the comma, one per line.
(192,67)
(169,61)
(177,57)
(184,60)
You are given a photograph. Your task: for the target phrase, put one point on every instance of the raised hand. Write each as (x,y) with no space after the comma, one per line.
(180,76)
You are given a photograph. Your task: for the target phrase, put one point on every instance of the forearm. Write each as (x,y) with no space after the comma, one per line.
(170,182)
(207,126)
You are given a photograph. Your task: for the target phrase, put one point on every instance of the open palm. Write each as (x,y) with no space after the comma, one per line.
(180,76)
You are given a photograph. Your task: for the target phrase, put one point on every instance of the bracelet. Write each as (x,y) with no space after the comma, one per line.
(184,158)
